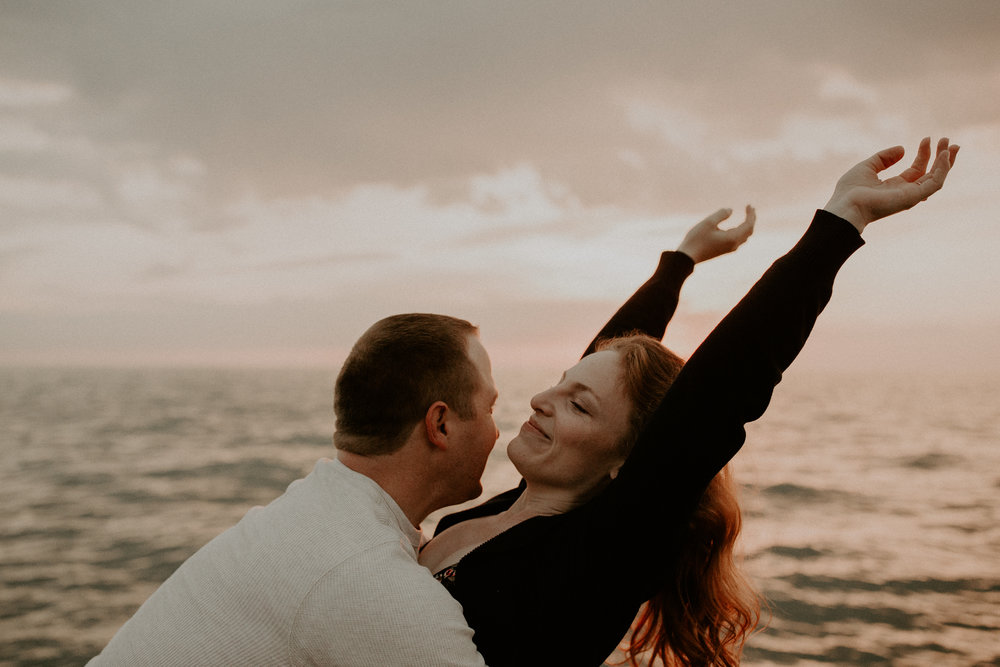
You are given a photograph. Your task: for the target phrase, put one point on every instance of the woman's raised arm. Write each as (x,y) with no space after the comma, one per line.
(651,307)
(729,379)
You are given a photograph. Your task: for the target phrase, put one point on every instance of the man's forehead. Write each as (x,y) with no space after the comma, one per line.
(477,352)
(481,359)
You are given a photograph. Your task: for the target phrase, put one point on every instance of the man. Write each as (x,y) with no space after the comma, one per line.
(327,573)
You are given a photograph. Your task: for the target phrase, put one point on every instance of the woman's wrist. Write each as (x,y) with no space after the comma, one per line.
(688,252)
(848,212)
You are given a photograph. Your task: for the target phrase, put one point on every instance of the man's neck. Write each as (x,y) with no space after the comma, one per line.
(406,488)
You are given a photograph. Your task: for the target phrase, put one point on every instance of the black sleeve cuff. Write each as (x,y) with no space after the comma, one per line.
(674,266)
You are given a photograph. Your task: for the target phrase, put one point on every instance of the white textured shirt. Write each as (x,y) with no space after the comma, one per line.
(326,574)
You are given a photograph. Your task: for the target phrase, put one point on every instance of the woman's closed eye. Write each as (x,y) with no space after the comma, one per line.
(578,407)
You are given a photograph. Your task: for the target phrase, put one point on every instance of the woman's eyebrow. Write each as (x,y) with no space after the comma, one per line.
(577,386)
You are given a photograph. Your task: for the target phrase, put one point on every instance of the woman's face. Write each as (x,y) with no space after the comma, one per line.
(572,441)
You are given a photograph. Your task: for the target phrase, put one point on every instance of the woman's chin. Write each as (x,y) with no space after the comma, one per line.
(521,453)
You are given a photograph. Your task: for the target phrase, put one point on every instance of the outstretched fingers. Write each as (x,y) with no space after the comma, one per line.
(933,180)
(715,219)
(860,197)
(739,234)
(885,158)
(919,166)
(742,231)
(706,240)
(943,144)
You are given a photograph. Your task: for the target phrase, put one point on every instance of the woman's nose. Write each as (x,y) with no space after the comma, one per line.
(541,402)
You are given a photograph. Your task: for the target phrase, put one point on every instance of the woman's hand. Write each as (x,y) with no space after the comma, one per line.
(705,240)
(860,197)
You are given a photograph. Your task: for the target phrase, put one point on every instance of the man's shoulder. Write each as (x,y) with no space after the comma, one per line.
(352,525)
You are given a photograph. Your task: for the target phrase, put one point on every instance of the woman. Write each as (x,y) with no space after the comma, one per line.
(554,572)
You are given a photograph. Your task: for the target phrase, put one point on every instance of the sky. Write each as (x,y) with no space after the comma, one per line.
(222,183)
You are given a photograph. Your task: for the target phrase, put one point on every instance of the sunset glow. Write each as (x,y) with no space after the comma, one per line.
(257,182)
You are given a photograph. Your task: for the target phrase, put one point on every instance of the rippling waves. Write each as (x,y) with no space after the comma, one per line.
(870,503)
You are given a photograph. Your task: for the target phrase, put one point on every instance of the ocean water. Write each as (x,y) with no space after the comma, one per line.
(871,502)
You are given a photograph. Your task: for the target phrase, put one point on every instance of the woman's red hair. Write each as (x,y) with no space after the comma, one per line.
(708,609)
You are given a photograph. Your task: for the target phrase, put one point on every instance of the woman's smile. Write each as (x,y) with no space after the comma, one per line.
(532,427)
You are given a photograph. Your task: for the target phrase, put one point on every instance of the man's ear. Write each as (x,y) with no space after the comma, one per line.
(436,424)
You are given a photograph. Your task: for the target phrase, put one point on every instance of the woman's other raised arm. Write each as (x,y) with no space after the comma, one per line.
(729,379)
(651,307)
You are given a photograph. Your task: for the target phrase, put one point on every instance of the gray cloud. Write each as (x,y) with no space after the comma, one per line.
(9,257)
(148,147)
(328,259)
(305,97)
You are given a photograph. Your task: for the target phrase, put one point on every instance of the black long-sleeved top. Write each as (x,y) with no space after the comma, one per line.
(563,589)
